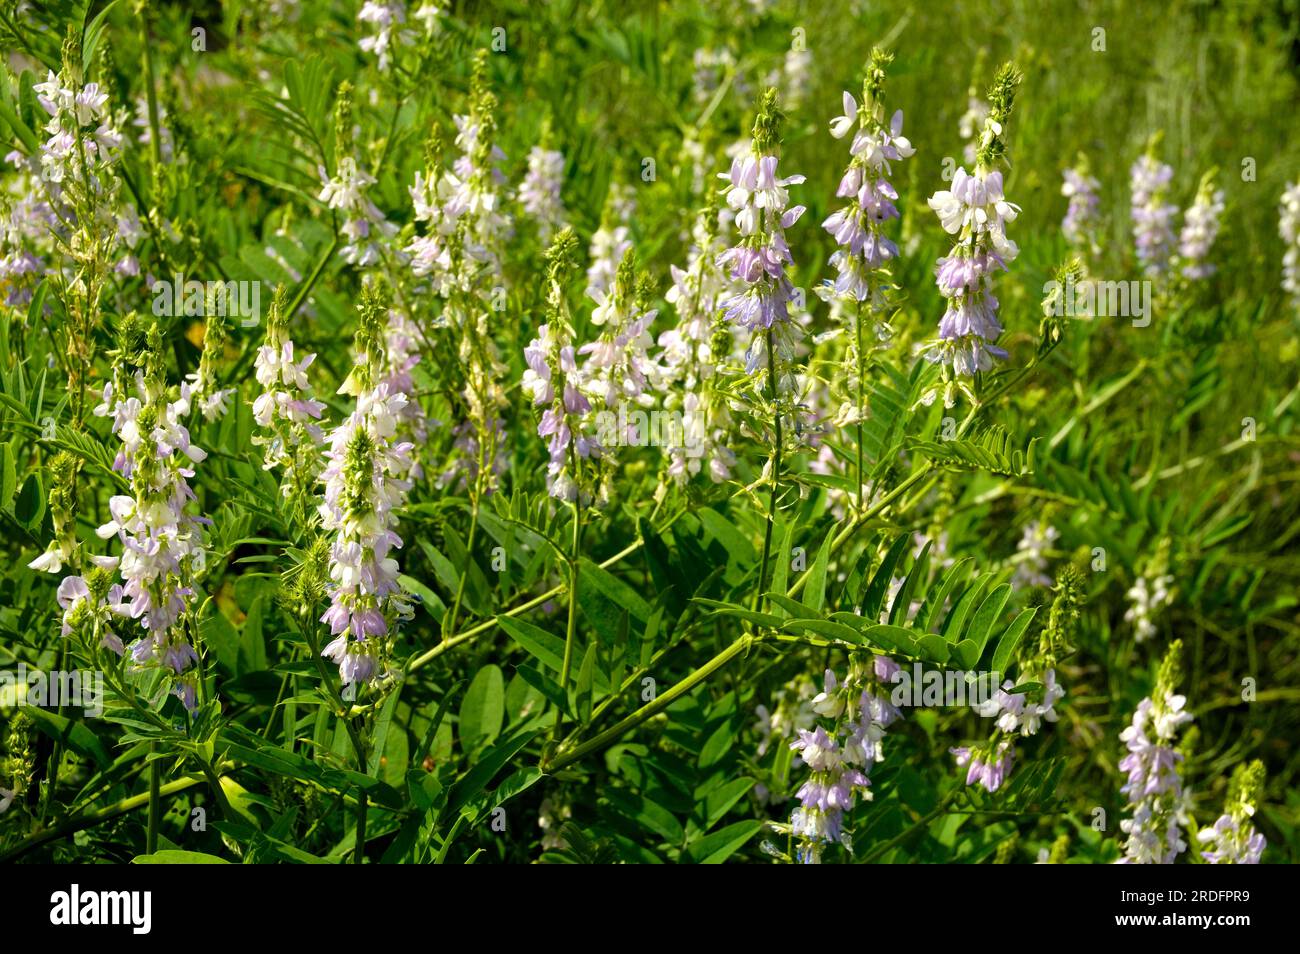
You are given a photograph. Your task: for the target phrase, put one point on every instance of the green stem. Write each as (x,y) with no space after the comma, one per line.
(359,853)
(899,839)
(478,629)
(776,472)
(570,629)
(861,404)
(90,819)
(460,586)
(151,95)
(660,703)
(358,744)
(155,801)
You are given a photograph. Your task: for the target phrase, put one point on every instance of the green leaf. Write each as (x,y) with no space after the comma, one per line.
(1011,639)
(8,476)
(546,647)
(981,627)
(483,709)
(815,591)
(29,507)
(720,800)
(716,848)
(874,597)
(492,761)
(174,856)
(618,592)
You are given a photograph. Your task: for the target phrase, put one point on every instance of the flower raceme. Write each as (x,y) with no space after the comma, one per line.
(1080,225)
(162,542)
(1154,787)
(366,478)
(975,210)
(1233,839)
(759,198)
(1152,213)
(840,760)
(1200,229)
(552,378)
(858,227)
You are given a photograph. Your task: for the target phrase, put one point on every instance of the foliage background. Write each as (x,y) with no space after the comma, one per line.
(1138,436)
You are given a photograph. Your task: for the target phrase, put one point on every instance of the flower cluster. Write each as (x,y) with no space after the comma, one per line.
(1232,839)
(64,546)
(1200,229)
(1081,223)
(1289,229)
(611,240)
(472,190)
(388,18)
(840,761)
(347,190)
(989,765)
(366,479)
(83,138)
(760,199)
(975,210)
(286,409)
(163,548)
(1031,555)
(1152,213)
(1154,787)
(858,228)
(539,193)
(617,367)
(1147,599)
(211,399)
(689,357)
(553,381)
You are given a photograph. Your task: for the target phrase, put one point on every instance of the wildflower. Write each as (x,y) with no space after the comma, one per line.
(1152,213)
(1150,593)
(553,381)
(840,761)
(1232,839)
(64,546)
(1081,223)
(617,368)
(1031,559)
(1154,787)
(864,249)
(760,198)
(986,767)
(347,190)
(1289,228)
(689,356)
(388,19)
(610,242)
(1200,229)
(286,409)
(163,545)
(365,480)
(539,193)
(975,210)
(472,188)
(212,401)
